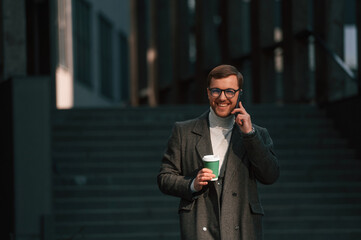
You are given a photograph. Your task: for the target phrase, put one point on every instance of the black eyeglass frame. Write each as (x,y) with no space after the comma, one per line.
(225,93)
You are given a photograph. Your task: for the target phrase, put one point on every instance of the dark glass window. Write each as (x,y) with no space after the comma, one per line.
(105,57)
(82,42)
(124,68)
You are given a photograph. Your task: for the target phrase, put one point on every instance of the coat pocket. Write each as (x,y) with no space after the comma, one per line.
(185,205)
(256,208)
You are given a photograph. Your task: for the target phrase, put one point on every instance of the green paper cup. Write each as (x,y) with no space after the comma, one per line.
(212,162)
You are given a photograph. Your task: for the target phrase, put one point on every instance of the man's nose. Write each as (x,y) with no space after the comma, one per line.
(223,95)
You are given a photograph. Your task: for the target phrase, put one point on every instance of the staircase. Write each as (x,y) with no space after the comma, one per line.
(106,162)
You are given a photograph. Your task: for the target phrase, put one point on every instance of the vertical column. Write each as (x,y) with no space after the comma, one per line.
(262,36)
(133,55)
(14,38)
(38,44)
(208,53)
(330,80)
(1,43)
(199,72)
(25,106)
(335,40)
(358,26)
(180,48)
(12,63)
(321,75)
(138,51)
(295,15)
(32,156)
(224,34)
(239,41)
(159,52)
(234,32)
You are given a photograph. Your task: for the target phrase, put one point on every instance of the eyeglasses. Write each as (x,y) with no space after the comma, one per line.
(229,93)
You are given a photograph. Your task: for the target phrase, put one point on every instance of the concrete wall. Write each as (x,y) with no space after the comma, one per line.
(31,156)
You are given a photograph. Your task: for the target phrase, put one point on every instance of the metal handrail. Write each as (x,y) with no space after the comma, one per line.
(305,34)
(327,49)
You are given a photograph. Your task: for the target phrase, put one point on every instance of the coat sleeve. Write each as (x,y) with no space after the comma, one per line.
(264,163)
(170,178)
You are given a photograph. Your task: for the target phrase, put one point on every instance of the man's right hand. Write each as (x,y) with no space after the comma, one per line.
(203,177)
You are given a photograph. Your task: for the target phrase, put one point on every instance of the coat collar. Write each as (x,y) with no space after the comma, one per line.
(236,150)
(201,128)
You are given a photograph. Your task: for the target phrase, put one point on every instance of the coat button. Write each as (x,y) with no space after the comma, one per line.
(204,229)
(236,228)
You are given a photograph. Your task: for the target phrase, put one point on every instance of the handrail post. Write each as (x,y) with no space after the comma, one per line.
(358,26)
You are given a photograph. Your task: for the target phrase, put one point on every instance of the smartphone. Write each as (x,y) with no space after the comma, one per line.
(238,100)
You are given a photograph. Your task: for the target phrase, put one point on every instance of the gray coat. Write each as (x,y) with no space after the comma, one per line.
(226,209)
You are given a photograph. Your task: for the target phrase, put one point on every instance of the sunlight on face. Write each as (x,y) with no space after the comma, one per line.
(222,105)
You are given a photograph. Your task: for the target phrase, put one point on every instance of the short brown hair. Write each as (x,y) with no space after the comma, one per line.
(223,71)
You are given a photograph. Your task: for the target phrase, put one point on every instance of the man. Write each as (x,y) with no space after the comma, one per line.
(228,208)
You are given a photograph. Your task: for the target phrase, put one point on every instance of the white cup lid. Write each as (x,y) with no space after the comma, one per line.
(210,158)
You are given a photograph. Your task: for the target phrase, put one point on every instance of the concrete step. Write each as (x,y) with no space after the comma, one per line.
(296,175)
(129,130)
(182,112)
(140,235)
(309,169)
(140,166)
(321,209)
(155,158)
(107,124)
(65,134)
(284,152)
(118,227)
(271,212)
(327,233)
(311,198)
(129,226)
(104,154)
(160,141)
(313,187)
(150,189)
(115,178)
(279,234)
(320,175)
(313,222)
(113,147)
(116,214)
(84,191)
(293,153)
(123,202)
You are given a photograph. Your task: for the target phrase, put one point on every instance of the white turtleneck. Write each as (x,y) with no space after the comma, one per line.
(220,131)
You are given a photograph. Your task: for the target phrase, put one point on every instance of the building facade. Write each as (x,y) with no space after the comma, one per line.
(93,53)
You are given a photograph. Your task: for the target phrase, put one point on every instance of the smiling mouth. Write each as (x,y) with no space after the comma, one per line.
(222,104)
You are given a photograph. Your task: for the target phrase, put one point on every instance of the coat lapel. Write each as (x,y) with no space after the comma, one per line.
(201,128)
